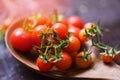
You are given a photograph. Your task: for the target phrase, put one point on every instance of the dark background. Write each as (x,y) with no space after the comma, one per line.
(108,11)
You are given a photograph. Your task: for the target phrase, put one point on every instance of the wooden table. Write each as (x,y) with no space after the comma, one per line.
(89,10)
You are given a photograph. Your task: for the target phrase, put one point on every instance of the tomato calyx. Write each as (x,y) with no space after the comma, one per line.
(114,51)
(52,45)
(93,31)
(55,17)
(86,55)
(27,25)
(109,53)
(58,18)
(108,50)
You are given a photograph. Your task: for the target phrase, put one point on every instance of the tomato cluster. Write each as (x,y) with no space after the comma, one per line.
(58,41)
(110,55)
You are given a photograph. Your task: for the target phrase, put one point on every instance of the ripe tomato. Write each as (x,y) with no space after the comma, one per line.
(75,21)
(89,25)
(116,57)
(21,40)
(43,20)
(74,44)
(6,23)
(61,30)
(44,66)
(80,61)
(37,47)
(74,31)
(64,21)
(65,62)
(73,56)
(82,36)
(36,33)
(106,59)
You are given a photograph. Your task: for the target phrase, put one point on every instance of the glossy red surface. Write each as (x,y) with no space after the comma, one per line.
(90,11)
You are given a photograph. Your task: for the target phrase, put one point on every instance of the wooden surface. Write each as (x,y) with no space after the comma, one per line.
(107,11)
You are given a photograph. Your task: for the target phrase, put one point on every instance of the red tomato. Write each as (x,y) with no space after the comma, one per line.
(44,66)
(116,57)
(106,59)
(75,21)
(82,36)
(36,33)
(44,21)
(74,44)
(36,47)
(73,56)
(64,21)
(61,30)
(6,23)
(21,40)
(81,63)
(89,25)
(65,62)
(74,31)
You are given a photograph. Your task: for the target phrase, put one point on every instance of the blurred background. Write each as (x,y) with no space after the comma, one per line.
(89,10)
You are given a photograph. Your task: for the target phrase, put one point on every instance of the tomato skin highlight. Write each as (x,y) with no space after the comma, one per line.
(44,66)
(106,59)
(74,30)
(75,21)
(36,33)
(74,44)
(89,25)
(81,36)
(61,30)
(65,63)
(21,40)
(81,63)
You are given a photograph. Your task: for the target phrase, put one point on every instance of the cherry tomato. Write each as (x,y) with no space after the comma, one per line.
(44,20)
(6,23)
(64,21)
(116,57)
(82,36)
(74,44)
(81,62)
(44,66)
(21,40)
(75,21)
(36,47)
(106,59)
(36,33)
(65,62)
(73,56)
(74,31)
(61,30)
(89,25)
